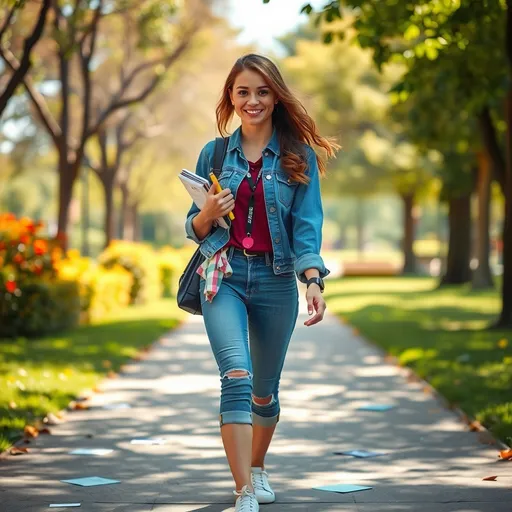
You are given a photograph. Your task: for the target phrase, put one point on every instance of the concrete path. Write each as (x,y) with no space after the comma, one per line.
(432,463)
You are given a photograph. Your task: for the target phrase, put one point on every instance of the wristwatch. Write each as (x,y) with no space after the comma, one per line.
(317,280)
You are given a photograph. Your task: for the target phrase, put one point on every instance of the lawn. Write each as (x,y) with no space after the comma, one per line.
(44,375)
(441,334)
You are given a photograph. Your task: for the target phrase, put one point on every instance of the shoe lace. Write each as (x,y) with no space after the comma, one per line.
(260,480)
(246,500)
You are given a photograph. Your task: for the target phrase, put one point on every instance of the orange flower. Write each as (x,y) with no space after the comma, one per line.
(18,259)
(24,239)
(40,247)
(11,286)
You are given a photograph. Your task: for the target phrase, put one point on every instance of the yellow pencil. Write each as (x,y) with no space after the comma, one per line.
(215,181)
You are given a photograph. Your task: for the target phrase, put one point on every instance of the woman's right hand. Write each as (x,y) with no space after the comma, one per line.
(218,205)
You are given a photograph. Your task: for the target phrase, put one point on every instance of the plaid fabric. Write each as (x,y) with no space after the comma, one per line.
(212,271)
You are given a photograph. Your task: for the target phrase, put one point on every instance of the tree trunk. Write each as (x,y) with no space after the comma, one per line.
(360,225)
(107,178)
(137,228)
(409,266)
(67,173)
(126,228)
(505,319)
(482,276)
(459,243)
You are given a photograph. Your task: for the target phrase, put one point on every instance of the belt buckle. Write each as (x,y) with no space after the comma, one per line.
(249,255)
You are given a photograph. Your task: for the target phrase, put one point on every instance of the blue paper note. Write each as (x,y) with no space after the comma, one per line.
(361,454)
(91,451)
(147,441)
(64,505)
(90,481)
(375,407)
(342,488)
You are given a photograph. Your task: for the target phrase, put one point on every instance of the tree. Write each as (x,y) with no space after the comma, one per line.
(158,37)
(473,31)
(18,73)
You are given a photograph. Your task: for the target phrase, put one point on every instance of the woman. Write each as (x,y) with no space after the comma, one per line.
(249,291)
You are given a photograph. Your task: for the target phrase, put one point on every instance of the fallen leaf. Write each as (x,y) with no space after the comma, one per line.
(13,404)
(26,441)
(355,331)
(146,348)
(106,364)
(111,374)
(475,426)
(490,478)
(30,431)
(15,450)
(44,431)
(506,454)
(427,390)
(97,389)
(80,406)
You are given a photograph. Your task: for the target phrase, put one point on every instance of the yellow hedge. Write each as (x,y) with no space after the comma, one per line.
(102,290)
(142,263)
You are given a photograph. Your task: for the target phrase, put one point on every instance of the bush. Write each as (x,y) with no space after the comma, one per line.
(141,262)
(39,308)
(171,263)
(102,290)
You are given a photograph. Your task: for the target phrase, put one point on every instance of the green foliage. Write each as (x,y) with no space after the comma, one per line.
(41,308)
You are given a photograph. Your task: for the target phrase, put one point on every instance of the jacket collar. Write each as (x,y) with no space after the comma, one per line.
(235,142)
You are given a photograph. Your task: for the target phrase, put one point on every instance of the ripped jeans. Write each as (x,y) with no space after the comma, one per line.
(249,324)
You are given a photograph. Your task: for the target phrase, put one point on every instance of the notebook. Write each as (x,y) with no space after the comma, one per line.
(198,188)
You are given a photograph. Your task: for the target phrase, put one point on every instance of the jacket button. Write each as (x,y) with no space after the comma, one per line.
(266,153)
(278,268)
(268,176)
(277,240)
(272,209)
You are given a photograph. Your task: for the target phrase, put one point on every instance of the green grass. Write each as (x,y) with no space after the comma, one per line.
(442,335)
(44,375)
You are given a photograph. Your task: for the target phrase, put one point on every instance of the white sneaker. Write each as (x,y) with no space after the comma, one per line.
(262,489)
(246,501)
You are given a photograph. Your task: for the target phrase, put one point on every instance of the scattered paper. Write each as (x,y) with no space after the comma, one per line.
(342,488)
(64,505)
(147,441)
(91,451)
(90,481)
(375,407)
(113,407)
(362,454)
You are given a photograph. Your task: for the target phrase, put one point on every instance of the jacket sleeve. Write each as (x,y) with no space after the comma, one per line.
(202,169)
(307,221)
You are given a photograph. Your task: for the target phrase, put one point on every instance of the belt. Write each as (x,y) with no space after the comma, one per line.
(250,254)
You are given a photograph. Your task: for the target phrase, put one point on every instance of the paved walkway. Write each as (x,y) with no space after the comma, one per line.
(432,462)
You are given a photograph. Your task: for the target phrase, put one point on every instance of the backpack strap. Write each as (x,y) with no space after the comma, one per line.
(221,146)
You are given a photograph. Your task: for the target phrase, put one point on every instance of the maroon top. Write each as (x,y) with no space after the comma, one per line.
(260,230)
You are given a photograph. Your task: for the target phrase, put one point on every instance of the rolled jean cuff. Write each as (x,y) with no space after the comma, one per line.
(263,421)
(240,417)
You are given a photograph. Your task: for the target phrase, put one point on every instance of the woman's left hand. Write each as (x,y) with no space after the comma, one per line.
(315,303)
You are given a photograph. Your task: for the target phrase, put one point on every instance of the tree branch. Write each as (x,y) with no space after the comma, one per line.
(25,63)
(117,101)
(36,97)
(8,20)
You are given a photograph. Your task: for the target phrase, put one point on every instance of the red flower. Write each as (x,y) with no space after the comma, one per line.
(24,239)
(2,246)
(18,258)
(40,247)
(38,269)
(11,286)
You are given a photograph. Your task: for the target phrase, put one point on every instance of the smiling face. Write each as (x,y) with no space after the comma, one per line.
(252,98)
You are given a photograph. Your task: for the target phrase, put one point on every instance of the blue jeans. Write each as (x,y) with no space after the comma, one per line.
(253,308)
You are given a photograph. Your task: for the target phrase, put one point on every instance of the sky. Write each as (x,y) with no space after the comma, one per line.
(262,23)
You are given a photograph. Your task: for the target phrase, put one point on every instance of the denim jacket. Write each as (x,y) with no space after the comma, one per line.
(294,210)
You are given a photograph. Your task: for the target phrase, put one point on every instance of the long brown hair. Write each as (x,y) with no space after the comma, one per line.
(291,120)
